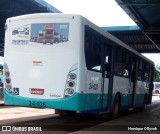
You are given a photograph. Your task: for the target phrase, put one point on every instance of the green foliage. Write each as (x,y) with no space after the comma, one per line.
(157,79)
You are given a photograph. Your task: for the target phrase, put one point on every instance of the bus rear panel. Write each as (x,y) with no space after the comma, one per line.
(40,67)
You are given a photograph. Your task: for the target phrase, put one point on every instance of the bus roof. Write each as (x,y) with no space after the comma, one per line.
(41,15)
(72,16)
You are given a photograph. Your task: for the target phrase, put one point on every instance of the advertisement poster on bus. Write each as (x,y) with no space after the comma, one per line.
(40,33)
(20,35)
(46,33)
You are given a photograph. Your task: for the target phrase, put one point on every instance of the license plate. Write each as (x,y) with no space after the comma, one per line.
(37,104)
(37,91)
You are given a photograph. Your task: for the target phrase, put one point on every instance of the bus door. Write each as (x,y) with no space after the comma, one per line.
(106,75)
(133,80)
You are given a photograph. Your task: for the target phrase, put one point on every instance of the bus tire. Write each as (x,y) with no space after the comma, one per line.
(116,107)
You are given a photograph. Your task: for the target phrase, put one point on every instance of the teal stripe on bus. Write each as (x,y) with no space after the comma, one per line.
(139,98)
(77,102)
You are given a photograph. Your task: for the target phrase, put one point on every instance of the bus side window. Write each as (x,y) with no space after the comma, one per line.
(118,68)
(126,64)
(106,66)
(140,70)
(146,72)
(92,47)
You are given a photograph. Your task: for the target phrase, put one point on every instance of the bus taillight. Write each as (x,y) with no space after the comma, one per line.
(68,92)
(8,81)
(72,76)
(71,82)
(7,76)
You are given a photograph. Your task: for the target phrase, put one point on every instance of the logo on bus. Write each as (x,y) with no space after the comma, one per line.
(37,63)
(55,95)
(93,86)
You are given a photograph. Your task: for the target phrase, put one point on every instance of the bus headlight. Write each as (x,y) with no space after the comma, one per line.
(71,82)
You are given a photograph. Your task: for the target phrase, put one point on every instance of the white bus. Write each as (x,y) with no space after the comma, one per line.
(88,70)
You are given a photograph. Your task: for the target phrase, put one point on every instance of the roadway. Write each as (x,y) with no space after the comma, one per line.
(49,122)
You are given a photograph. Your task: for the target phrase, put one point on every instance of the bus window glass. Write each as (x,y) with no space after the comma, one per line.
(93,61)
(146,72)
(92,50)
(140,70)
(97,43)
(118,62)
(106,60)
(126,65)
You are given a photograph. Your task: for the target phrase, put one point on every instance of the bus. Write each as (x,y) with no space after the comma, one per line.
(1,83)
(1,75)
(90,72)
(156,88)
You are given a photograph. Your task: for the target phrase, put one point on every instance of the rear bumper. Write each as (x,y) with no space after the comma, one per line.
(77,102)
(71,103)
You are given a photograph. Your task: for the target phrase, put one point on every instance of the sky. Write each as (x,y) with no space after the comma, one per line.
(101,12)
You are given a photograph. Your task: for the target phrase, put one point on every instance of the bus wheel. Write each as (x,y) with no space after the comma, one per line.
(116,107)
(157,92)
